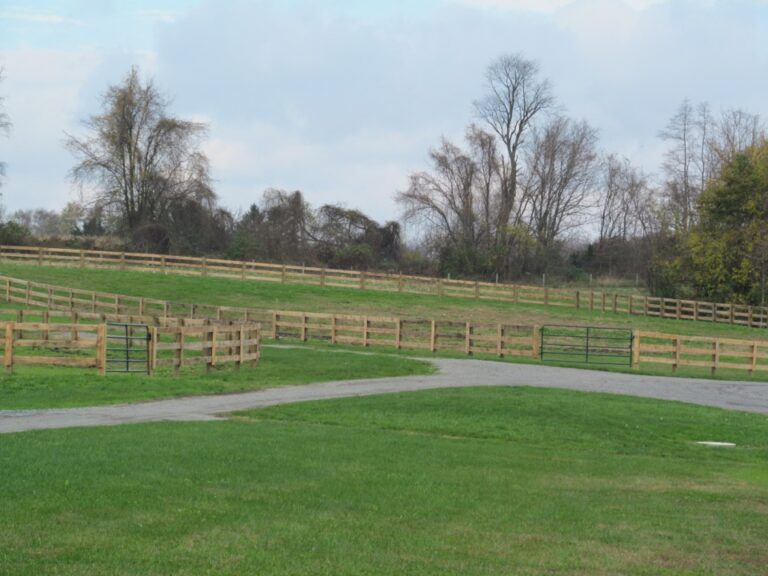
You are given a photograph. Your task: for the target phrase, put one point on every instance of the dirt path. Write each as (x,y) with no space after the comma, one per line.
(745,396)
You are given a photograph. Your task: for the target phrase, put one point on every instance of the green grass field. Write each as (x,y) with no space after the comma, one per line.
(44,387)
(270,295)
(465,481)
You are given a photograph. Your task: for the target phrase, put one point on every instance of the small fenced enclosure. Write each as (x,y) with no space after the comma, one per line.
(587,345)
(127,348)
(43,344)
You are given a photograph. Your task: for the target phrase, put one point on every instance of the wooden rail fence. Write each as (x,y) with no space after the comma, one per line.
(175,336)
(753,316)
(700,351)
(85,345)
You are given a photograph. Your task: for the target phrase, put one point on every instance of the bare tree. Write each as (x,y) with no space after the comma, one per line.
(140,160)
(5,126)
(623,201)
(560,171)
(736,131)
(443,200)
(515,96)
(682,187)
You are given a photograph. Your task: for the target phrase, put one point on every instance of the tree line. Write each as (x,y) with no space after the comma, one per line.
(528,190)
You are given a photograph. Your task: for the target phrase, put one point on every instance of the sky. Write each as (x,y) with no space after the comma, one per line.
(343,99)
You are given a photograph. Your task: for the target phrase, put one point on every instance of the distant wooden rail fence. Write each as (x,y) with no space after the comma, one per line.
(85,345)
(178,335)
(753,316)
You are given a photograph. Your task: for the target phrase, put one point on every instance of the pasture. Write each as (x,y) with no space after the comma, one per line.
(451,481)
(466,481)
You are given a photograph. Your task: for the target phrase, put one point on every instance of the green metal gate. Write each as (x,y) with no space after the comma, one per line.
(586,345)
(127,347)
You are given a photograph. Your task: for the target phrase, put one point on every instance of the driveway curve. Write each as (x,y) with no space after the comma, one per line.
(744,396)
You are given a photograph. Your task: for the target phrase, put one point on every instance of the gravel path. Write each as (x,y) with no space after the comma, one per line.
(745,396)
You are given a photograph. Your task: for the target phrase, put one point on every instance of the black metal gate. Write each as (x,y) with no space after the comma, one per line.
(127,347)
(586,345)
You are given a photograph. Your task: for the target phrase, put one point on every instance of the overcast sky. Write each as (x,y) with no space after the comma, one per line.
(343,99)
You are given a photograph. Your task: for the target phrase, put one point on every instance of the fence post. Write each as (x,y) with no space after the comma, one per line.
(477,290)
(40,256)
(636,349)
(398,333)
(468,338)
(433,337)
(45,318)
(241,354)
(578,299)
(152,352)
(8,352)
(400,282)
(591,300)
(546,295)
(333,329)
(677,354)
(715,355)
(101,348)
(304,327)
(179,352)
(365,331)
(500,341)
(210,338)
(7,289)
(362,280)
(535,341)
(275,320)
(753,365)
(602,296)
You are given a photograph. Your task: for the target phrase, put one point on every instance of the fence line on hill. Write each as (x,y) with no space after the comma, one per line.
(499,339)
(752,316)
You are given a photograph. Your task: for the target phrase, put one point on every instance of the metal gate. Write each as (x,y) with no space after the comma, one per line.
(127,347)
(586,345)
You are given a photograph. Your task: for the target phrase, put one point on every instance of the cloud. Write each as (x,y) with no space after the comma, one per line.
(37,16)
(549,6)
(343,106)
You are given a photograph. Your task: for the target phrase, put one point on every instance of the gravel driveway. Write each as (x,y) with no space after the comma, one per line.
(745,396)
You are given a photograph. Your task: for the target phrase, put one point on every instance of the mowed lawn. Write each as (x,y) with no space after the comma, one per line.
(45,387)
(277,296)
(464,481)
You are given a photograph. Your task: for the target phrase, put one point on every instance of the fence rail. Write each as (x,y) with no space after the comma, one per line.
(753,316)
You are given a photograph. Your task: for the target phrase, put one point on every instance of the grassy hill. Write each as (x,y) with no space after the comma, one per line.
(270,295)
(466,481)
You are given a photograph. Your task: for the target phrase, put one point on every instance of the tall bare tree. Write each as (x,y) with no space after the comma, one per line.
(560,171)
(624,201)
(515,96)
(140,160)
(5,126)
(681,186)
